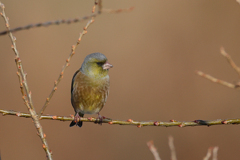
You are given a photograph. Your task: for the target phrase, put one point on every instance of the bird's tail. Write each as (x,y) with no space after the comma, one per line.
(73,123)
(77,121)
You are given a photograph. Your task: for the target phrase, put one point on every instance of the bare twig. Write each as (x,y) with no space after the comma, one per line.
(67,63)
(139,124)
(172,148)
(23,84)
(153,149)
(17,58)
(68,21)
(212,151)
(117,10)
(209,154)
(215,80)
(22,88)
(232,63)
(215,150)
(48,23)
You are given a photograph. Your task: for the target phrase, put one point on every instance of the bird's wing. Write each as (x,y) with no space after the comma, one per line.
(74,79)
(81,90)
(72,86)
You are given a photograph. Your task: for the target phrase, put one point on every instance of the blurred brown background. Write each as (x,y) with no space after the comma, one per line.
(155,50)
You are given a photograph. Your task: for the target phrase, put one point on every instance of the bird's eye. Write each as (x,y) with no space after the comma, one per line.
(100,63)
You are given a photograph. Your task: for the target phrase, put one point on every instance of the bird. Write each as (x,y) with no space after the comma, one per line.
(90,87)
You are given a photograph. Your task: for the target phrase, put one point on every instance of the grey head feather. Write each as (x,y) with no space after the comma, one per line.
(92,57)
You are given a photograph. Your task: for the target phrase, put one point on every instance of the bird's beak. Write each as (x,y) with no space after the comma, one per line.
(107,65)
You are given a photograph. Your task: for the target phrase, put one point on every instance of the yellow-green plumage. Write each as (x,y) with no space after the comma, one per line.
(90,86)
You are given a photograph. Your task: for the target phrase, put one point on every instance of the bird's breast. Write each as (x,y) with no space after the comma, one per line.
(89,95)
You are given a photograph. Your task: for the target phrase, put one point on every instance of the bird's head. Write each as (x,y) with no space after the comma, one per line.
(96,65)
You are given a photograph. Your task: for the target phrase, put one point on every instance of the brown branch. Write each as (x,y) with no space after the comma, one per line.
(153,149)
(22,88)
(48,23)
(139,124)
(215,80)
(23,84)
(68,21)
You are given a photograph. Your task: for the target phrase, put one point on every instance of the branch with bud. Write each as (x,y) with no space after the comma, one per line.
(139,124)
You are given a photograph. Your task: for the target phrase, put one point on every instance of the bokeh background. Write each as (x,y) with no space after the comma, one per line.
(155,50)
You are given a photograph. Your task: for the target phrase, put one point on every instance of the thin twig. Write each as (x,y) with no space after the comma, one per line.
(153,149)
(215,80)
(23,84)
(232,63)
(139,124)
(22,89)
(117,10)
(66,64)
(209,154)
(172,148)
(17,58)
(215,150)
(48,23)
(68,21)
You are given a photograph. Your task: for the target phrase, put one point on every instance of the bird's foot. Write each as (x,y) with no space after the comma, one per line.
(99,119)
(77,118)
(76,121)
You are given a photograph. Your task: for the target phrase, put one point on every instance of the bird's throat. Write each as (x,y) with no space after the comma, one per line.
(97,73)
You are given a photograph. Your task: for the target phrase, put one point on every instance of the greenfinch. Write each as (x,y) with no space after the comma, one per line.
(90,87)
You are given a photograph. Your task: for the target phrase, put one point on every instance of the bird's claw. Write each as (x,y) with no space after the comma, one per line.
(99,119)
(77,118)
